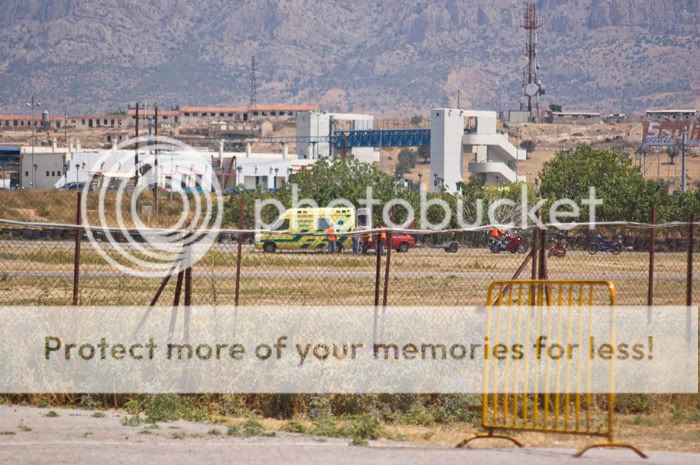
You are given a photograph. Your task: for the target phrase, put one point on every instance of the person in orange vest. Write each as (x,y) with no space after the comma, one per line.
(380,240)
(332,240)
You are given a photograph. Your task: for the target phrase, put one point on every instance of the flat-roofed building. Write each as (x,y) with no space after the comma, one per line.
(671,115)
(576,117)
(40,121)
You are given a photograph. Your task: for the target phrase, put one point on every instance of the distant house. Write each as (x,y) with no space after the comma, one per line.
(169,118)
(572,117)
(18,122)
(671,115)
(196,115)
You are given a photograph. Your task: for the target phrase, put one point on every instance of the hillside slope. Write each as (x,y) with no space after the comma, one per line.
(391,56)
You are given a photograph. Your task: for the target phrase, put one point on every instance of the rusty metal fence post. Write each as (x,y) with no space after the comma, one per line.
(535,244)
(378,271)
(238,251)
(387,268)
(689,276)
(652,246)
(76,252)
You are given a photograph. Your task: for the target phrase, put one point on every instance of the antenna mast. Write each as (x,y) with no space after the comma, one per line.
(253,85)
(532,88)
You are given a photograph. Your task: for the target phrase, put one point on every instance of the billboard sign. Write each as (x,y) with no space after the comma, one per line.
(670,132)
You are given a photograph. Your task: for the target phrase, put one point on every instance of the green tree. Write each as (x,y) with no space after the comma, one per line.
(626,195)
(407,161)
(528,145)
(424,152)
(554,108)
(416,120)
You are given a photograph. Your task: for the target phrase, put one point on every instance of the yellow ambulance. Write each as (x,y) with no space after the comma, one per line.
(289,229)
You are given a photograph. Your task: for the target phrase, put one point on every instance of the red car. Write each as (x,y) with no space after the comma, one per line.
(399,241)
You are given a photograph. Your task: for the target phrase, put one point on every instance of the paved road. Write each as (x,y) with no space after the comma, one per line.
(75,437)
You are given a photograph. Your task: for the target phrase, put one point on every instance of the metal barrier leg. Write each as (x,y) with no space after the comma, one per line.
(488,435)
(619,445)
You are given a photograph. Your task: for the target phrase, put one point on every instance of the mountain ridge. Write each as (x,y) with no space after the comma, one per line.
(389,57)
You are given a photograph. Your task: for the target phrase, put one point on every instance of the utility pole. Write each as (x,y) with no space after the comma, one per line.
(253,85)
(459,94)
(684,142)
(33,104)
(136,149)
(155,152)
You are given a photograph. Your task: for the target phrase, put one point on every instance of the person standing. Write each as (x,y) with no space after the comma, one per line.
(381,240)
(356,244)
(332,240)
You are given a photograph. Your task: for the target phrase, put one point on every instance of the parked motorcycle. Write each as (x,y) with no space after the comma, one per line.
(600,244)
(510,242)
(558,247)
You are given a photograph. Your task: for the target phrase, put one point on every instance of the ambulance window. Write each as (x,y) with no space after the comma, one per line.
(362,220)
(323,224)
(282,226)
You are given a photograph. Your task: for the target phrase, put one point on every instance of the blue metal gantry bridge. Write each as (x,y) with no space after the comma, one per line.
(381,138)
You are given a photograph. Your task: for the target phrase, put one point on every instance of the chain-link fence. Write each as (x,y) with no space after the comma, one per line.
(39,266)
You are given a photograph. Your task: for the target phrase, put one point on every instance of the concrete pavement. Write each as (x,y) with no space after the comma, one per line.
(29,436)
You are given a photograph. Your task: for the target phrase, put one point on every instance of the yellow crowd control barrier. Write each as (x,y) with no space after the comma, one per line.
(520,312)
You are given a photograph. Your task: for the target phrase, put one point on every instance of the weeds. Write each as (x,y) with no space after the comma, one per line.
(295,427)
(248,428)
(51,414)
(167,407)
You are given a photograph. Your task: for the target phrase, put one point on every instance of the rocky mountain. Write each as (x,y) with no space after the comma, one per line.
(387,56)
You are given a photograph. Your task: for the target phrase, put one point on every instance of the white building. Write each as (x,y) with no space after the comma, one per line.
(42,166)
(170,170)
(314,131)
(182,170)
(458,134)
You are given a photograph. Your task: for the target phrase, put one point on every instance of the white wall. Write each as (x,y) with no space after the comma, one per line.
(312,125)
(446,131)
(50,168)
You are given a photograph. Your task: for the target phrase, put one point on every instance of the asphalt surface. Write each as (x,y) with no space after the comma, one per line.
(29,436)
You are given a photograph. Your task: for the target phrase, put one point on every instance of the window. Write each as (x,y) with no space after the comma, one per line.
(282,226)
(323,224)
(47,174)
(26,174)
(362,219)
(187,113)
